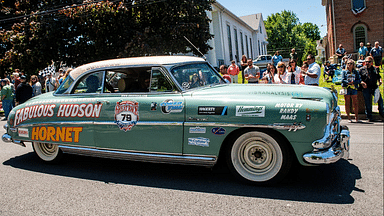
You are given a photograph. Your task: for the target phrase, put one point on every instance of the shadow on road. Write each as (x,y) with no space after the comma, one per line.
(324,184)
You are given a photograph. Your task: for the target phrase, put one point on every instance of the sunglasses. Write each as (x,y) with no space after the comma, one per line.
(280,67)
(309,59)
(349,63)
(368,61)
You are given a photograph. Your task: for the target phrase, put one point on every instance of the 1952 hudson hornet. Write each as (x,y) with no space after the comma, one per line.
(177,109)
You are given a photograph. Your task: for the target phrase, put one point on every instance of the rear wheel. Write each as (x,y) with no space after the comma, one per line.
(47,152)
(256,157)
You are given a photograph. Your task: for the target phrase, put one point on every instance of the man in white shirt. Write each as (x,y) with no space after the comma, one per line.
(313,73)
(50,83)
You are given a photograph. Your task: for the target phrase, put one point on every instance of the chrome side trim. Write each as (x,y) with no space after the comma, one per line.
(94,123)
(278,126)
(199,160)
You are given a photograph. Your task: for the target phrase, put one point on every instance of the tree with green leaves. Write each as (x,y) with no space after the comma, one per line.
(75,32)
(285,32)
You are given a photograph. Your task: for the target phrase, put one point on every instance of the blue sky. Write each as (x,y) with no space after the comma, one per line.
(306,10)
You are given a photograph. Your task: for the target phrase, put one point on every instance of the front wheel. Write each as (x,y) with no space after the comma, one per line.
(258,158)
(47,152)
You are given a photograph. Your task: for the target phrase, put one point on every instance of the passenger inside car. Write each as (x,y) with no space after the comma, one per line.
(92,83)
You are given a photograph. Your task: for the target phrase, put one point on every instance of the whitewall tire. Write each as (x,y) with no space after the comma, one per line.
(47,152)
(256,157)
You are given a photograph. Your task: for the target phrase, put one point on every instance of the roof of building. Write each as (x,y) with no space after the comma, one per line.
(253,20)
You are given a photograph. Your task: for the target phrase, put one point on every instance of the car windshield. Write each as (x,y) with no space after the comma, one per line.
(196,75)
(65,85)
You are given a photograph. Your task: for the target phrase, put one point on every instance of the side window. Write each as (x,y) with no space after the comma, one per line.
(263,58)
(127,80)
(91,83)
(269,57)
(159,82)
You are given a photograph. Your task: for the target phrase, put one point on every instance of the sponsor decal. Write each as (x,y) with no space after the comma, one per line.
(126,114)
(293,94)
(218,131)
(250,111)
(288,117)
(170,106)
(153,106)
(79,110)
(289,111)
(199,141)
(38,111)
(23,132)
(288,105)
(197,130)
(56,134)
(212,110)
(89,110)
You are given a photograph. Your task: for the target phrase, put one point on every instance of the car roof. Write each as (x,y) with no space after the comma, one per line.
(135,61)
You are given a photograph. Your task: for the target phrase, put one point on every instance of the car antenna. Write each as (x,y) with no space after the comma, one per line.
(205,58)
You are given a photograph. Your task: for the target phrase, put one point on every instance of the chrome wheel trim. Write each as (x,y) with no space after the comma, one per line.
(46,151)
(256,156)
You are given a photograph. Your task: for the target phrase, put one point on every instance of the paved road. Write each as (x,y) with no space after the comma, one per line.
(92,186)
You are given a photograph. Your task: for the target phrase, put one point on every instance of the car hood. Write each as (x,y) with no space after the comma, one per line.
(264,91)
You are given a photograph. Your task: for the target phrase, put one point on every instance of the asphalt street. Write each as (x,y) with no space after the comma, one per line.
(93,186)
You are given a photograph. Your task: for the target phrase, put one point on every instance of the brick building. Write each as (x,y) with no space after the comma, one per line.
(350,22)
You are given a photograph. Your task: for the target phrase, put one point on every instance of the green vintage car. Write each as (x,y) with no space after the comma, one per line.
(178,109)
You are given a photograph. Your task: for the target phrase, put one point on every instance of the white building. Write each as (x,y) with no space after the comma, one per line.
(235,36)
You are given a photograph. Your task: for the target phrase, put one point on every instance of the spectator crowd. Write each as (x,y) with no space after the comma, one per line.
(16,88)
(361,75)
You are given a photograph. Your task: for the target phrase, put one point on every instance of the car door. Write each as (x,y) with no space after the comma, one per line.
(142,119)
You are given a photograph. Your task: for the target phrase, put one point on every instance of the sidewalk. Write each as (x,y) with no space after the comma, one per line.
(375,111)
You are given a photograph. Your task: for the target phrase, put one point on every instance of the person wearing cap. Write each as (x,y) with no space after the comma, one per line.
(369,48)
(24,91)
(6,95)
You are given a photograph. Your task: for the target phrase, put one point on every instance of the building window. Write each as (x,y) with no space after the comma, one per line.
(250,43)
(258,43)
(260,30)
(246,45)
(360,35)
(242,43)
(236,45)
(229,42)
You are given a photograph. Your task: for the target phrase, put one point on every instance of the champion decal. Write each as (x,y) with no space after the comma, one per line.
(126,114)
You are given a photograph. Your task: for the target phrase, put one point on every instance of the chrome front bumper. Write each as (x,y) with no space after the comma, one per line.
(8,138)
(339,149)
